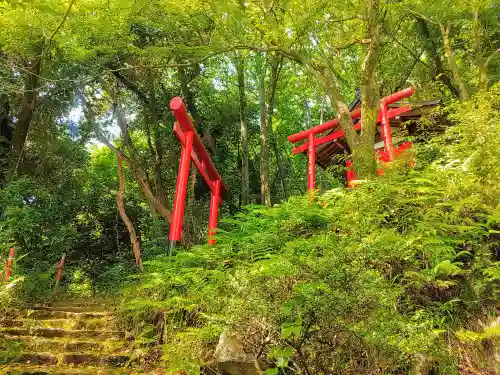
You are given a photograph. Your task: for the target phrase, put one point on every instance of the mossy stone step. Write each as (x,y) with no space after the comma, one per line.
(58,332)
(72,324)
(50,313)
(63,344)
(29,358)
(73,359)
(61,370)
(68,308)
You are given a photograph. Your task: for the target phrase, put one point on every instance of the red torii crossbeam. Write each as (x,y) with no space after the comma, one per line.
(193,150)
(383,118)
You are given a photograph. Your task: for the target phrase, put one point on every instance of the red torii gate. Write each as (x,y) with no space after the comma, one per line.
(388,154)
(193,150)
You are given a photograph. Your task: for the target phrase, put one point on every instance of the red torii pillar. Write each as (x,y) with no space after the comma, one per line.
(312,142)
(8,270)
(193,150)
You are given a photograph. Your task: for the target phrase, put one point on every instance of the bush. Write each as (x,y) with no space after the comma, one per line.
(373,280)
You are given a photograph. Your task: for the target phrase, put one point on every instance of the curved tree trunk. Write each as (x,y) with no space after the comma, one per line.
(136,246)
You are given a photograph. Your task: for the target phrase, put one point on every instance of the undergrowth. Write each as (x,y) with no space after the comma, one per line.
(388,278)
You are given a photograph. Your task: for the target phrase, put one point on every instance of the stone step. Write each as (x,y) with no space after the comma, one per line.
(60,370)
(50,313)
(65,323)
(68,308)
(58,332)
(71,359)
(83,302)
(63,344)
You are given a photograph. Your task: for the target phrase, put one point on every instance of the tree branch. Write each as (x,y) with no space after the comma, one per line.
(62,21)
(416,57)
(490,57)
(352,18)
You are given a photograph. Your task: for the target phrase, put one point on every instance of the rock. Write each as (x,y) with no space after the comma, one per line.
(231,357)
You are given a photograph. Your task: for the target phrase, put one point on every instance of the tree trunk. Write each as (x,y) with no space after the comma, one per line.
(481,61)
(264,139)
(138,172)
(322,110)
(29,104)
(361,146)
(364,158)
(141,177)
(136,246)
(5,137)
(21,128)
(276,65)
(445,32)
(281,168)
(245,174)
(439,72)
(484,78)
(156,150)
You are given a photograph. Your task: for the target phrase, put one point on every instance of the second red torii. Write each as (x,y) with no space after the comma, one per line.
(383,118)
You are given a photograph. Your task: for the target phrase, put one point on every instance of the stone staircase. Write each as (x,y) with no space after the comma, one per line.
(75,337)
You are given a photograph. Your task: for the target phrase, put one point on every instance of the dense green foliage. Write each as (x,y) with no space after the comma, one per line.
(396,276)
(379,279)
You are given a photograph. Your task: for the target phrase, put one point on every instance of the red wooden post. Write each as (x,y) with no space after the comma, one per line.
(350,174)
(386,131)
(180,191)
(214,212)
(60,268)
(311,168)
(8,271)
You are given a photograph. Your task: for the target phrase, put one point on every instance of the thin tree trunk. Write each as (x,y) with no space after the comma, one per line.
(445,32)
(245,174)
(276,65)
(364,159)
(138,172)
(322,110)
(481,61)
(439,71)
(141,177)
(279,164)
(5,137)
(156,150)
(264,139)
(136,246)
